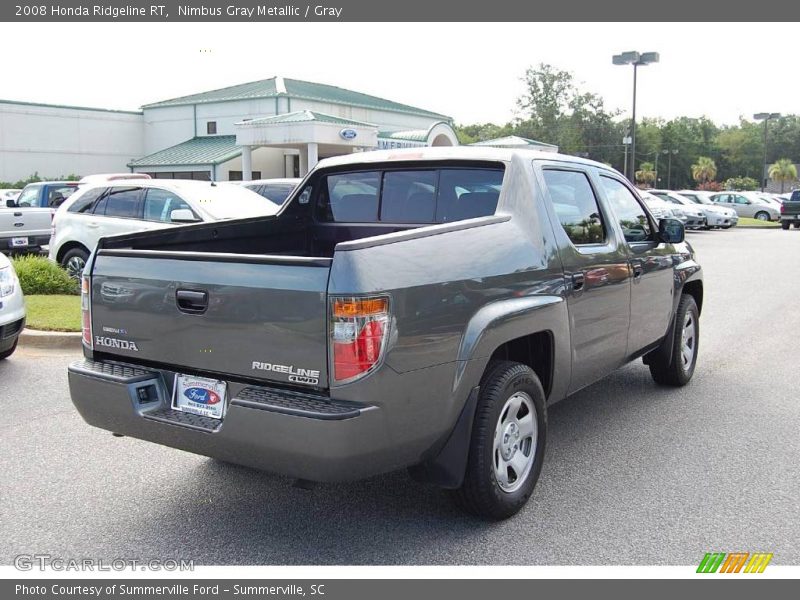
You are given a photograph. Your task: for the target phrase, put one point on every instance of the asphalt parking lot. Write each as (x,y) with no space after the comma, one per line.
(634,474)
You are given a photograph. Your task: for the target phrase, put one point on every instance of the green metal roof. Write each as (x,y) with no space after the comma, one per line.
(70,107)
(412,135)
(295,88)
(207,150)
(305,116)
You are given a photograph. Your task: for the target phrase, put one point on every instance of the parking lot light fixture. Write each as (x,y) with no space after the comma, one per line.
(765,117)
(637,59)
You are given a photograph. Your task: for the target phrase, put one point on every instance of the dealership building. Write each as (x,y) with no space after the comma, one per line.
(275,127)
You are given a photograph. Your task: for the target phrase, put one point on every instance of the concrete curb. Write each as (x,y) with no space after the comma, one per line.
(33,338)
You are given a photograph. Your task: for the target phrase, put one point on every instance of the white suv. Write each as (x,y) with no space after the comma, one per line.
(12,308)
(118,207)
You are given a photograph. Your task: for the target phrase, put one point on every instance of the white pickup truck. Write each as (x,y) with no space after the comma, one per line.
(25,222)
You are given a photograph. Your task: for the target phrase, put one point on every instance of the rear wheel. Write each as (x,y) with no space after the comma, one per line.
(797,225)
(507,445)
(762,216)
(785,224)
(74,262)
(677,367)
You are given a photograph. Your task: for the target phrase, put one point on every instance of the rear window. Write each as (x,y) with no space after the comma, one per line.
(120,202)
(409,196)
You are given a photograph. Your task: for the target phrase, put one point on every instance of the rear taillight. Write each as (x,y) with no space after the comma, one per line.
(782,207)
(359,332)
(86,312)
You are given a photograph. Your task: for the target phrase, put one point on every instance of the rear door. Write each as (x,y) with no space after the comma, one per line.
(118,211)
(597,274)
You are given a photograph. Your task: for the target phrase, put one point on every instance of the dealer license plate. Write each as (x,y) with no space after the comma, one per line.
(19,242)
(199,396)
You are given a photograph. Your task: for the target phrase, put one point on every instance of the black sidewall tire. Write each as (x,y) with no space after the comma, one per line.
(673,373)
(785,225)
(74,252)
(6,353)
(480,493)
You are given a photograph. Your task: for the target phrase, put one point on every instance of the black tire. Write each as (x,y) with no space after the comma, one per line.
(797,225)
(6,353)
(481,493)
(761,216)
(72,259)
(671,369)
(785,225)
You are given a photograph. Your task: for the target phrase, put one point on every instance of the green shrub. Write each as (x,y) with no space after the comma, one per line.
(37,275)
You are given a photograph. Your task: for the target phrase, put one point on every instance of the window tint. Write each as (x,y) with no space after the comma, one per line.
(350,198)
(576,206)
(159,204)
(631,215)
(467,193)
(277,193)
(409,197)
(85,203)
(120,202)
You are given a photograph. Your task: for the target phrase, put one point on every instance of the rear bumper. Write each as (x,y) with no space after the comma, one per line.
(791,218)
(284,432)
(34,241)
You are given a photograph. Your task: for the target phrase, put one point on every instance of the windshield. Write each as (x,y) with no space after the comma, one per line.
(698,199)
(229,202)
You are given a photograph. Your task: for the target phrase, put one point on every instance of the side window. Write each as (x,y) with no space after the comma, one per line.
(159,204)
(741,200)
(576,206)
(632,217)
(409,197)
(120,202)
(350,198)
(85,203)
(28,197)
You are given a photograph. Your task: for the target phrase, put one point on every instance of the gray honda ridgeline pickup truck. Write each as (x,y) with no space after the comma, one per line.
(414,309)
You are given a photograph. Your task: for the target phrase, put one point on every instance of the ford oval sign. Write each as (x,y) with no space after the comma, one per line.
(348,134)
(201,395)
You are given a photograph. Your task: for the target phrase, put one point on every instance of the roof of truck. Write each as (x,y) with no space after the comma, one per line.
(453,153)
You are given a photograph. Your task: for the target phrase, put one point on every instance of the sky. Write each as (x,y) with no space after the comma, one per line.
(470,71)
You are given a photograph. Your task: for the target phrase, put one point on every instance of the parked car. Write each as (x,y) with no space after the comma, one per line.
(771,199)
(25,222)
(748,204)
(12,308)
(98,210)
(7,194)
(790,211)
(274,190)
(661,209)
(695,217)
(403,309)
(716,216)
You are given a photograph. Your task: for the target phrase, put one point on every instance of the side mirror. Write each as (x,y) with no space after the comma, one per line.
(11,203)
(182,215)
(671,231)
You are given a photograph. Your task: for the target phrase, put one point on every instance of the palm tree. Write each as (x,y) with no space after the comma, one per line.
(705,169)
(783,170)
(646,173)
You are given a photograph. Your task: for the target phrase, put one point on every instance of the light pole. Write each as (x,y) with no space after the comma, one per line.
(765,117)
(637,60)
(669,154)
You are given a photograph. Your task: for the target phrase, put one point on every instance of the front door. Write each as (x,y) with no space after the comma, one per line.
(597,275)
(652,288)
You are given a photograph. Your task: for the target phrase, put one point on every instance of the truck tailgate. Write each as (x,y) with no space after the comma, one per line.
(258,317)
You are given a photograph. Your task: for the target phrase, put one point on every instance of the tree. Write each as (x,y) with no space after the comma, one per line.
(783,170)
(646,174)
(704,170)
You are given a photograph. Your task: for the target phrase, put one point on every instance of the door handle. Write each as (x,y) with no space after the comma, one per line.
(17,214)
(92,225)
(638,269)
(192,301)
(578,280)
